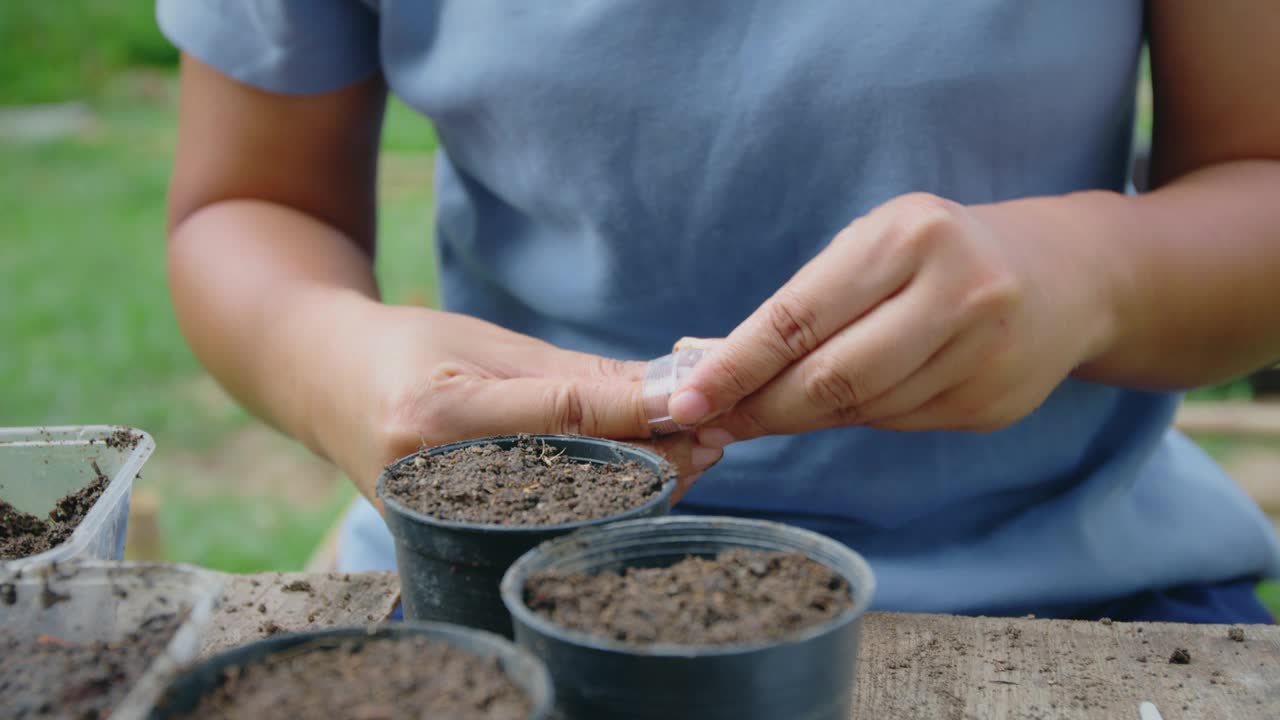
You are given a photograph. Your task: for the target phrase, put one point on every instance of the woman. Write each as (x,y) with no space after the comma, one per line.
(947,337)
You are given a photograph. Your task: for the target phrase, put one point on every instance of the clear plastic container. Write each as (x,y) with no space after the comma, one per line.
(39,465)
(664,376)
(104,601)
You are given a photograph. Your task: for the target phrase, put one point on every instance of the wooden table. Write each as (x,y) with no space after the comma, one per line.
(911,666)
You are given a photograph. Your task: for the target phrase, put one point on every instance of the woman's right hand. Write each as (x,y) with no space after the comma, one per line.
(399,377)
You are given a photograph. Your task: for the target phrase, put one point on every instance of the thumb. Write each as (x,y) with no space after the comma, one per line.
(572,364)
(781,331)
(599,407)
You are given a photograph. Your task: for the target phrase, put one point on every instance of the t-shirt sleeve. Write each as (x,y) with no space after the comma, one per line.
(295,47)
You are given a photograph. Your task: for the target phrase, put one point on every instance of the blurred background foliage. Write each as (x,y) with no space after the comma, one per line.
(62,49)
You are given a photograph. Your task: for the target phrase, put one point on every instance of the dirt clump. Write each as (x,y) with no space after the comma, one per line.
(530,484)
(51,677)
(738,596)
(380,678)
(122,439)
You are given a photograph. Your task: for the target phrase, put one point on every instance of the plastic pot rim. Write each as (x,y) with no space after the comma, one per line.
(393,505)
(496,646)
(513,581)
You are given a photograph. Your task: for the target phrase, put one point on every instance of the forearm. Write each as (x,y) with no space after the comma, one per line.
(1190,272)
(262,293)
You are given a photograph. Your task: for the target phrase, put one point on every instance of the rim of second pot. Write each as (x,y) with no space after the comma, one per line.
(657,463)
(861,581)
(537,685)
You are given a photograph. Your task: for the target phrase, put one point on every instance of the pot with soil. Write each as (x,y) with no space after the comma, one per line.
(462,513)
(693,617)
(405,670)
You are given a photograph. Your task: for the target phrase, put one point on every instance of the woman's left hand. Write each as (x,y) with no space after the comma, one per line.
(922,315)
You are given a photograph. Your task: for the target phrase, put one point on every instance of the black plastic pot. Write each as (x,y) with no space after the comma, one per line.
(809,676)
(527,672)
(1266,382)
(450,571)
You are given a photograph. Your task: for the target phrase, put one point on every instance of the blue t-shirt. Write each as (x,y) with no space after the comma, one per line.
(616,174)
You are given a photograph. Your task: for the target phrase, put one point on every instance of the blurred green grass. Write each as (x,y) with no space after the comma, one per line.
(224,531)
(55,50)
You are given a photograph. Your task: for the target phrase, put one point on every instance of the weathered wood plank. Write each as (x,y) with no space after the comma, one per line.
(1257,419)
(257,606)
(953,668)
(911,666)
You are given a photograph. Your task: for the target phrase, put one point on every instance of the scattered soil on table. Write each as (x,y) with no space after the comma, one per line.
(1180,656)
(50,677)
(1236,634)
(739,596)
(298,586)
(23,534)
(530,484)
(381,678)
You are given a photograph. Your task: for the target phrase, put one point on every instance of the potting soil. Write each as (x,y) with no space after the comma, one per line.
(379,679)
(122,439)
(23,534)
(531,484)
(739,596)
(52,677)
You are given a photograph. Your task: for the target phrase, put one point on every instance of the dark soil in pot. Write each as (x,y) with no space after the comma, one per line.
(462,513)
(52,677)
(531,483)
(739,596)
(406,671)
(1266,383)
(677,618)
(23,534)
(380,679)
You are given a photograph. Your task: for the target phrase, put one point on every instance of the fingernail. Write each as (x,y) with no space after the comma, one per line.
(705,457)
(715,437)
(688,407)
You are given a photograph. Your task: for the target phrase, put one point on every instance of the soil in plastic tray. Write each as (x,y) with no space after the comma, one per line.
(530,484)
(381,678)
(23,534)
(739,596)
(121,439)
(51,677)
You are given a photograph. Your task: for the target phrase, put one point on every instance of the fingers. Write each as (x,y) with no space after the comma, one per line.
(463,406)
(862,361)
(847,279)
(950,367)
(690,459)
(967,409)
(566,363)
(692,343)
